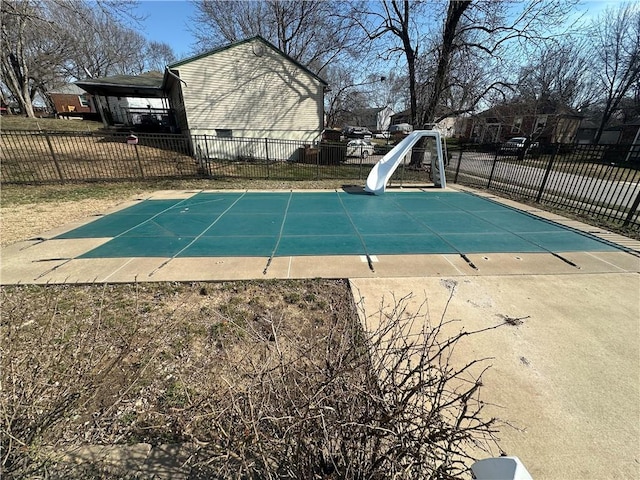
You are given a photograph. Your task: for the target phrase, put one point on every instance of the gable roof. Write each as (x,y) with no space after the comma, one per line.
(241,42)
(67,89)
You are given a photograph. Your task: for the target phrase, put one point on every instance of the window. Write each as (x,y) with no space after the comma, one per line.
(84,100)
(517,125)
(224,132)
(541,123)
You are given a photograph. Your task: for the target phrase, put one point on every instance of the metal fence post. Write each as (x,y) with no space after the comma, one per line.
(266,149)
(547,173)
(632,211)
(493,168)
(53,154)
(206,147)
(135,146)
(455,178)
(318,163)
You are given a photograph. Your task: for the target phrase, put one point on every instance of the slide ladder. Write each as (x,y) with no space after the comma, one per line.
(383,170)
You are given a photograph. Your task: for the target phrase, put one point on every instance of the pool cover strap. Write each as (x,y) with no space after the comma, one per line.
(462,254)
(275,248)
(355,228)
(557,255)
(200,235)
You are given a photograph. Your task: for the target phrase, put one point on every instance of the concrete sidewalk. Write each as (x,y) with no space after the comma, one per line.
(567,378)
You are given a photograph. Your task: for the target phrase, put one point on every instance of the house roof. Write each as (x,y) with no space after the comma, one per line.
(68,89)
(146,85)
(518,108)
(241,42)
(368,111)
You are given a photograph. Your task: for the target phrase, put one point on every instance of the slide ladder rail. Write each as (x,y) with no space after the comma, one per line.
(383,170)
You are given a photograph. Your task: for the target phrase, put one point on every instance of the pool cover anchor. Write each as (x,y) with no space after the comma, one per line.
(370,262)
(51,270)
(468,260)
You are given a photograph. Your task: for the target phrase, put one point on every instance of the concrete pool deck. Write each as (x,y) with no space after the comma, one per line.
(567,378)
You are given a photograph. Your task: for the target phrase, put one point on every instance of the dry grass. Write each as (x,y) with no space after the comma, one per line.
(18,122)
(110,364)
(269,379)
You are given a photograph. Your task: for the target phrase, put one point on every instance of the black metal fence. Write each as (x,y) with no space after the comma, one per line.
(597,181)
(44,157)
(41,157)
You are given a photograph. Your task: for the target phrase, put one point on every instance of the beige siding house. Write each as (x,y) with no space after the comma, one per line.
(248,89)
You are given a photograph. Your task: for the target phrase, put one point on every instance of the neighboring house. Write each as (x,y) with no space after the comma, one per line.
(627,133)
(71,101)
(375,119)
(543,122)
(586,131)
(247,89)
(446,126)
(631,133)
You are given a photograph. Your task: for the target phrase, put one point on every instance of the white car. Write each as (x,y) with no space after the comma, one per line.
(359,148)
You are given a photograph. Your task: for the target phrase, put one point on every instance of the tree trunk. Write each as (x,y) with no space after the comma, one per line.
(454,13)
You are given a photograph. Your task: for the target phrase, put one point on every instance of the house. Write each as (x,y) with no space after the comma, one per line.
(445,126)
(247,89)
(375,119)
(71,101)
(545,122)
(132,100)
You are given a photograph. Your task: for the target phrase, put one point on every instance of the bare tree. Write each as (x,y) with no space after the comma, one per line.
(312,32)
(396,18)
(616,53)
(158,55)
(560,72)
(472,29)
(495,31)
(348,93)
(28,46)
(103,45)
(46,42)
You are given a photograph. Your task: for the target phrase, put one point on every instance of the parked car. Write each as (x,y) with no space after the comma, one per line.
(400,129)
(357,132)
(359,148)
(517,146)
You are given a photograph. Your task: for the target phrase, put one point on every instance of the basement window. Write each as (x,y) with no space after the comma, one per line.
(224,132)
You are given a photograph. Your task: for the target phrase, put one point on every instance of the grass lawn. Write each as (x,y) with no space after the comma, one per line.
(18,122)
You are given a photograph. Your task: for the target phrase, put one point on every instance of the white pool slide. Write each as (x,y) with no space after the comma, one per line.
(383,170)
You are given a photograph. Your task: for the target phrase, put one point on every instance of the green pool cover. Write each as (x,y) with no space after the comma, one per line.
(327,223)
